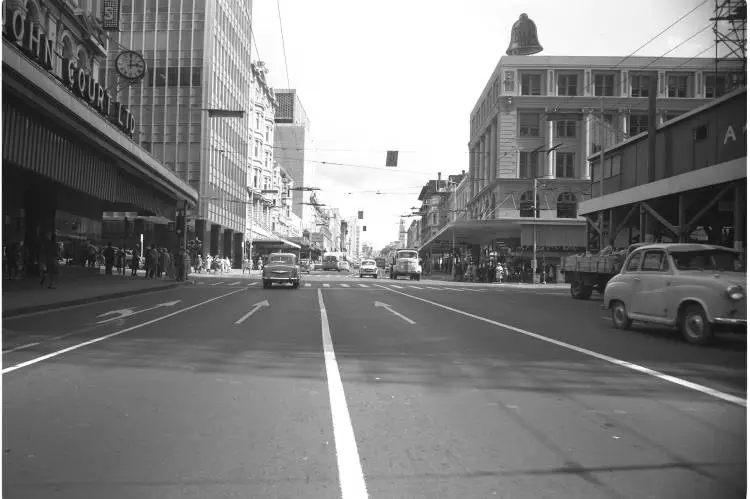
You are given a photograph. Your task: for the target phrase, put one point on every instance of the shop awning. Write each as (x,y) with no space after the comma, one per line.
(276,242)
(472,232)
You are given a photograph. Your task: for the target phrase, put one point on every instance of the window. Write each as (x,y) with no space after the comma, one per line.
(635,262)
(256,150)
(701,133)
(268,134)
(509,81)
(434,219)
(564,165)
(677,86)
(257,121)
(604,85)
(638,124)
(567,84)
(531,84)
(566,128)
(527,204)
(597,133)
(529,125)
(654,261)
(197,77)
(567,205)
(528,164)
(639,85)
(715,87)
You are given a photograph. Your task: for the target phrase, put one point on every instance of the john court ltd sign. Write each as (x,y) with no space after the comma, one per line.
(35,43)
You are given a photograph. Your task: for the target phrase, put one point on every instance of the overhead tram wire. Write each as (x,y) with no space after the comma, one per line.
(283,45)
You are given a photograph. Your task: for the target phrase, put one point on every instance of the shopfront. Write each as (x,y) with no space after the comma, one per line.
(68,158)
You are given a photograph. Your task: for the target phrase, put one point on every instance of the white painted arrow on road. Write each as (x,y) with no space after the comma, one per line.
(256,307)
(127,312)
(388,308)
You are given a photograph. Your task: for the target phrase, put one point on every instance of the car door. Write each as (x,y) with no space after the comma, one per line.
(630,280)
(653,281)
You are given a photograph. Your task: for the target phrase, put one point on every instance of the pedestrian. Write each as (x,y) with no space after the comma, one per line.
(153,262)
(162,269)
(109,258)
(49,264)
(135,262)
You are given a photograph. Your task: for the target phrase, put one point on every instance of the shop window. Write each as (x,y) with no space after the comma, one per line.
(567,205)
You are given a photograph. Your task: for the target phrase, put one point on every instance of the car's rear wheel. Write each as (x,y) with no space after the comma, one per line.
(694,325)
(620,315)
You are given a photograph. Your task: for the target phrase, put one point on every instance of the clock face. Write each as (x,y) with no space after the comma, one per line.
(131,65)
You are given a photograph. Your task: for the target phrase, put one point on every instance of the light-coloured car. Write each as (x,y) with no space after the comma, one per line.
(368,267)
(343,266)
(281,268)
(699,288)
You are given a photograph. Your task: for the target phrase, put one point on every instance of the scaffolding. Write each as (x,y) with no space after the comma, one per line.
(730,31)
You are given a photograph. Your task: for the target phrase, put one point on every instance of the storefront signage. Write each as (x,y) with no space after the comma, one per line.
(111,15)
(34,42)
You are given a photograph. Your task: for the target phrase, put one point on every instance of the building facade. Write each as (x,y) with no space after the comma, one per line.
(537,121)
(198,55)
(70,145)
(294,150)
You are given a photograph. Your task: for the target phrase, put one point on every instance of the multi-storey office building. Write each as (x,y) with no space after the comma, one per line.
(540,117)
(294,150)
(198,58)
(68,155)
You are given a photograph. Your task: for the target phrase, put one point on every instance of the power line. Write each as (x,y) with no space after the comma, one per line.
(283,45)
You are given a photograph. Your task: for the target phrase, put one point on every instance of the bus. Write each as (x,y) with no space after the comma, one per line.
(331,260)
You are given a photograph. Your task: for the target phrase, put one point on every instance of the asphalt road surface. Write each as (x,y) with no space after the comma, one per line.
(357,388)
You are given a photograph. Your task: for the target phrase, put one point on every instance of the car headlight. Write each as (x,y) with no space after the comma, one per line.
(735,292)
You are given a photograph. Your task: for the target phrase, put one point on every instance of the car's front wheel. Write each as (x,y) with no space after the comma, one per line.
(620,316)
(695,326)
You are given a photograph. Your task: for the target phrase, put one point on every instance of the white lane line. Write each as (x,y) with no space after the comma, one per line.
(112,335)
(454,289)
(253,283)
(362,285)
(415,287)
(397,286)
(436,289)
(326,285)
(234,283)
(612,360)
(307,284)
(27,345)
(351,478)
(216,283)
(344,285)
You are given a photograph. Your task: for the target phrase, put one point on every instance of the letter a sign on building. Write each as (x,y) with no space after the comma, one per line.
(391,158)
(111,15)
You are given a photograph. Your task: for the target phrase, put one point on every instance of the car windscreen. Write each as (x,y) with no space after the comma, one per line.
(708,260)
(407,254)
(330,259)
(282,259)
(368,262)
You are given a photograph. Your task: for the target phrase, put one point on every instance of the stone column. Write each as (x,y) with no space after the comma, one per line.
(482,151)
(550,159)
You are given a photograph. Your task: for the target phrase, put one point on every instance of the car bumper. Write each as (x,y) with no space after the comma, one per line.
(368,271)
(281,279)
(730,321)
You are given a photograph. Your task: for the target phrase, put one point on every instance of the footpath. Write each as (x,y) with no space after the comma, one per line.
(75,286)
(439,276)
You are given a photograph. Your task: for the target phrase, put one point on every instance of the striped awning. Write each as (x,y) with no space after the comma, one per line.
(30,143)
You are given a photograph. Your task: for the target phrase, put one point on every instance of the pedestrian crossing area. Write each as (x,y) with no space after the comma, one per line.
(349,286)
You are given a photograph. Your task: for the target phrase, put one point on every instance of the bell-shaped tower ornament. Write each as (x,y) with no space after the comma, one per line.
(523,39)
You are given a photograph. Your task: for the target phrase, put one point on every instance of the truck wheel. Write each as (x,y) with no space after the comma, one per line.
(695,327)
(579,291)
(620,316)
(419,277)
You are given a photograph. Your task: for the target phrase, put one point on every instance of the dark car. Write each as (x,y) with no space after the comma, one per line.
(281,269)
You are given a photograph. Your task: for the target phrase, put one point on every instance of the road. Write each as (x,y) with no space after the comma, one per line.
(356,388)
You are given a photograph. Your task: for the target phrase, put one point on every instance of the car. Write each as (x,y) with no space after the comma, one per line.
(281,268)
(368,267)
(343,266)
(331,262)
(318,266)
(698,288)
(305,266)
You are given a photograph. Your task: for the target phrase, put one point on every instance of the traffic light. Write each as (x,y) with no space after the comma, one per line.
(364,228)
(360,215)
(180,224)
(391,158)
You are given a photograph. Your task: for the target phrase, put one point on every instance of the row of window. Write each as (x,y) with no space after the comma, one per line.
(529,165)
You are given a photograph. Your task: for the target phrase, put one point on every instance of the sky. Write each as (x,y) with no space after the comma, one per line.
(405,75)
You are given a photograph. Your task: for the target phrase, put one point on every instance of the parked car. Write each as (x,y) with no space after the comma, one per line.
(698,288)
(343,266)
(281,268)
(318,266)
(305,266)
(368,267)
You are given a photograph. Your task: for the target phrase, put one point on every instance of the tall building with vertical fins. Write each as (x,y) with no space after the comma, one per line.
(198,54)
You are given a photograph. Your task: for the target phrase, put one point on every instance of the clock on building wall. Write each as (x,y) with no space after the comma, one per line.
(130,65)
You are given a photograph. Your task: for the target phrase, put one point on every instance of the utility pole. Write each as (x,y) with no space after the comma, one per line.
(533,257)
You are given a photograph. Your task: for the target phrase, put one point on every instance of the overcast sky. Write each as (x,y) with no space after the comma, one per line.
(405,74)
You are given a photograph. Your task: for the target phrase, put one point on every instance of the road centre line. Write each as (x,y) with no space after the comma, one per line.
(612,360)
(112,335)
(351,478)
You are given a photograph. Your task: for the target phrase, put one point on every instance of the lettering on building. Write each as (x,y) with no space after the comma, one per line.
(731,135)
(35,44)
